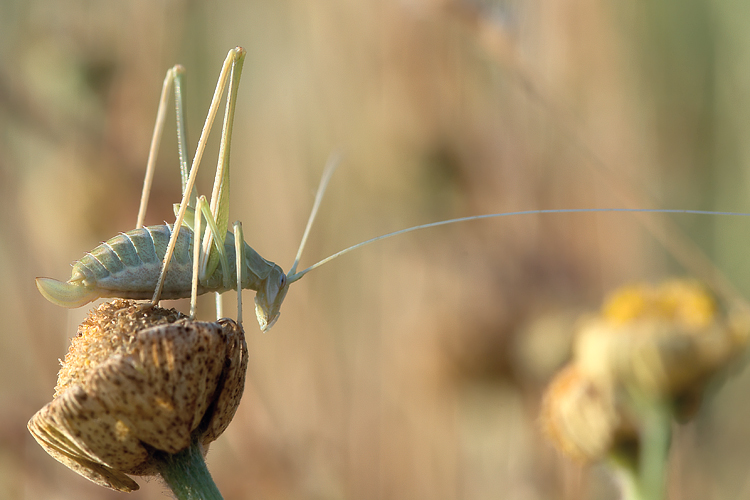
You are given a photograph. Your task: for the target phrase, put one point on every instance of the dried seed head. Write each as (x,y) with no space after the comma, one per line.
(661,340)
(649,344)
(140,381)
(581,417)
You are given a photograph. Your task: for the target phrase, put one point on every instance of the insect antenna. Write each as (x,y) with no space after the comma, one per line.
(330,168)
(720,286)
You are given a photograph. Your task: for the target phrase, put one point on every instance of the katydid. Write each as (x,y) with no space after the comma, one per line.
(155,262)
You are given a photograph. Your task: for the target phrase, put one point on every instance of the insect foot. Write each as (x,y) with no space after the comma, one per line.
(141,390)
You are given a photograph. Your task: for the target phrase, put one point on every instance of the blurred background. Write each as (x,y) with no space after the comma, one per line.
(411,368)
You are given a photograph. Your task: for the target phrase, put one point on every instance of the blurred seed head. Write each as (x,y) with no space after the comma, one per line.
(661,343)
(581,416)
(137,383)
(660,340)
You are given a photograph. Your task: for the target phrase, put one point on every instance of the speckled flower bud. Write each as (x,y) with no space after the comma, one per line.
(137,383)
(660,340)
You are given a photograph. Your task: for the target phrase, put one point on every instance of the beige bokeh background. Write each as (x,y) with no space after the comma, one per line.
(411,368)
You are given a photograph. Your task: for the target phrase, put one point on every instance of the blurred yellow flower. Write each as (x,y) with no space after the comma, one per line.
(660,343)
(685,302)
(660,340)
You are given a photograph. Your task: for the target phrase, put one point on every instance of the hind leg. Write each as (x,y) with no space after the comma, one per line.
(239,252)
(174,79)
(232,67)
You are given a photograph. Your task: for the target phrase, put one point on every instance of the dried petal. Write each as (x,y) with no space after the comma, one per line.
(64,448)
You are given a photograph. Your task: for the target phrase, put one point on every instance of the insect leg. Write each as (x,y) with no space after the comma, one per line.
(219,306)
(174,78)
(220,191)
(179,105)
(229,62)
(197,230)
(239,251)
(202,211)
(212,230)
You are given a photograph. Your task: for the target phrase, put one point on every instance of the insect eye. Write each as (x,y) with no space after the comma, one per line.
(282,281)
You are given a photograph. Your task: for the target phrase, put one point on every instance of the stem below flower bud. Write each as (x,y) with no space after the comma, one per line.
(187,476)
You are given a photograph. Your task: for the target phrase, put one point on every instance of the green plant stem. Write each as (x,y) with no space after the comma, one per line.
(656,436)
(624,467)
(642,473)
(187,476)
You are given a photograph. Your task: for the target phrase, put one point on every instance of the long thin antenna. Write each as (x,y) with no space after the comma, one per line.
(331,164)
(294,277)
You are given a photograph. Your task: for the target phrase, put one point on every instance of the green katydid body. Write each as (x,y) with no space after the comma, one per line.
(128,266)
(155,262)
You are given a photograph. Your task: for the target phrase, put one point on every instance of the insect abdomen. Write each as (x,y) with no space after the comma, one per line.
(129,264)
